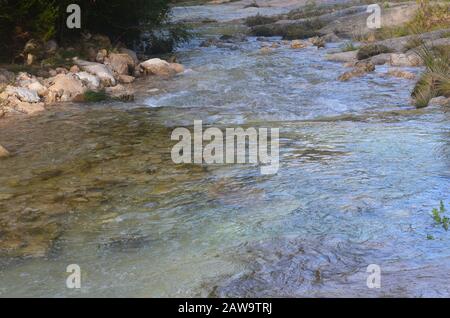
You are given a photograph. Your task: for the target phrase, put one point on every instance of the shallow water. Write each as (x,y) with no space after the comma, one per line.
(360,173)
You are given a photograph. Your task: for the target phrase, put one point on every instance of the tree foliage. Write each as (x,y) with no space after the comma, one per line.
(124,21)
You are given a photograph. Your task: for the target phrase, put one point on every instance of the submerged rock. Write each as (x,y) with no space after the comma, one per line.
(297,44)
(360,69)
(3,152)
(120,92)
(401,74)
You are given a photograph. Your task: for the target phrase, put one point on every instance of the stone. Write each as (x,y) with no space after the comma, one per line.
(121,64)
(120,92)
(101,56)
(408,59)
(29,108)
(89,80)
(360,69)
(74,69)
(23,94)
(349,56)
(297,44)
(61,70)
(130,53)
(440,101)
(401,74)
(40,89)
(66,87)
(3,152)
(126,79)
(101,71)
(177,67)
(157,66)
(51,47)
(381,59)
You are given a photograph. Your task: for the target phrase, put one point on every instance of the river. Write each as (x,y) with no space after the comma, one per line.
(361,170)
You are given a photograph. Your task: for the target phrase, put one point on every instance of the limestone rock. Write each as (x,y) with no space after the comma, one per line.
(126,79)
(401,74)
(157,66)
(101,71)
(349,56)
(121,64)
(89,80)
(131,54)
(23,94)
(297,44)
(120,92)
(65,87)
(408,59)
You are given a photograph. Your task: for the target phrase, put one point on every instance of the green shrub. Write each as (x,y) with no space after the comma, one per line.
(435,81)
(372,50)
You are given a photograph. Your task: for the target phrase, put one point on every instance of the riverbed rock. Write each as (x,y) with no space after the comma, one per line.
(319,42)
(349,56)
(65,87)
(401,74)
(157,66)
(40,89)
(177,67)
(130,53)
(23,94)
(101,71)
(101,56)
(89,80)
(74,69)
(381,59)
(121,64)
(407,59)
(440,101)
(297,44)
(3,152)
(120,92)
(361,68)
(126,79)
(29,108)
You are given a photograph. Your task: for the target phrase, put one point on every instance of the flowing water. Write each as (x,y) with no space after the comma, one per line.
(361,170)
